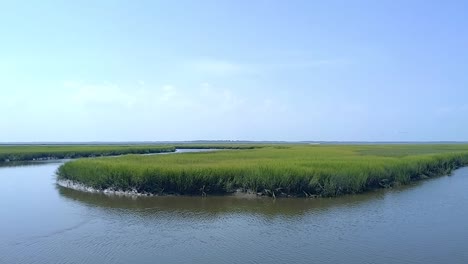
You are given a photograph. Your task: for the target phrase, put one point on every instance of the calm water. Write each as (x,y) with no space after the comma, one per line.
(43,223)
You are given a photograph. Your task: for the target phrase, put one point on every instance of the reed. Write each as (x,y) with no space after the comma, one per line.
(300,170)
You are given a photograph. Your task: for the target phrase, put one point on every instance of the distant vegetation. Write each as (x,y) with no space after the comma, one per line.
(41,152)
(38,152)
(275,170)
(219,146)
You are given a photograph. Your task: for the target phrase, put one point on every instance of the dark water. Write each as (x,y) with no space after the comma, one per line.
(43,223)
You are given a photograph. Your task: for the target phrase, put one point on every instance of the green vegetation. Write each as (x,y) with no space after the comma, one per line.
(38,152)
(35,152)
(219,146)
(307,170)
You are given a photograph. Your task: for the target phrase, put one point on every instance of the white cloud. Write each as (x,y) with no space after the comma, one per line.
(168,92)
(113,95)
(221,99)
(111,111)
(217,67)
(100,94)
(228,68)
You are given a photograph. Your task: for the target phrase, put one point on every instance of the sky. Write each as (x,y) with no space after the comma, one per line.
(233,70)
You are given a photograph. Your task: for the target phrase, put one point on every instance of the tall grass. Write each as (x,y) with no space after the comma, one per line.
(33,152)
(297,170)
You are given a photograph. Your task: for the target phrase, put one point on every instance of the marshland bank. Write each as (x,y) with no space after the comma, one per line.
(423,222)
(272,170)
(10,153)
(45,152)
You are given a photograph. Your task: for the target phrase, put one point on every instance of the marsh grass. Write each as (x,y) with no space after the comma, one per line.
(34,152)
(220,146)
(301,170)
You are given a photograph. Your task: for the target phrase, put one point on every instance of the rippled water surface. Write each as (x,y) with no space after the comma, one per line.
(42,223)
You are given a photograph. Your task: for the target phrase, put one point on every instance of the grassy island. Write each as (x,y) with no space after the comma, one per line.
(299,170)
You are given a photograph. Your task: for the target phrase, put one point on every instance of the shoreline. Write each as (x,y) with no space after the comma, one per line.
(239,192)
(134,193)
(274,171)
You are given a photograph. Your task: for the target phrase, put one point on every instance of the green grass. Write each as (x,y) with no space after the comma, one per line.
(34,152)
(219,146)
(325,170)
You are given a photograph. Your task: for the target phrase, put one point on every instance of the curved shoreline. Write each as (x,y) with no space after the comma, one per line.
(296,171)
(110,191)
(239,192)
(134,193)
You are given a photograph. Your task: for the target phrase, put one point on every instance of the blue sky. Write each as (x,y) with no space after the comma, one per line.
(238,70)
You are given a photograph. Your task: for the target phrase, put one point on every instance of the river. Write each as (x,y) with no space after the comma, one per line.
(41,222)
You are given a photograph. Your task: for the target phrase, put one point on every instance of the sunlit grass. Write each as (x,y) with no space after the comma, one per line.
(326,170)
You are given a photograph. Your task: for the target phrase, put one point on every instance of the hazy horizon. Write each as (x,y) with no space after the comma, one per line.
(116,71)
(227,142)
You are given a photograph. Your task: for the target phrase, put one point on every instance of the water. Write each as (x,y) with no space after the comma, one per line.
(41,222)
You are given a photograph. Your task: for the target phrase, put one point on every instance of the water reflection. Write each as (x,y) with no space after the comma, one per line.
(218,205)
